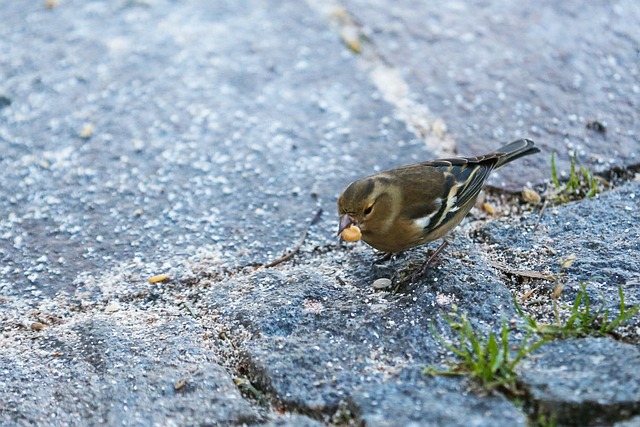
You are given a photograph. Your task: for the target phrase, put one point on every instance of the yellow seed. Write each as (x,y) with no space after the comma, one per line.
(352,234)
(530,196)
(489,208)
(87,131)
(179,385)
(567,261)
(37,326)
(159,278)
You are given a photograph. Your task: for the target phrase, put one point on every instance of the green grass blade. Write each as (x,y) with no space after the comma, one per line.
(554,171)
(573,179)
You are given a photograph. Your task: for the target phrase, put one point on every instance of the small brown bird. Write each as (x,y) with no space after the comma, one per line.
(412,205)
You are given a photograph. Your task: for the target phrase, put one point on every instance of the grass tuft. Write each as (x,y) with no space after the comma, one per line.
(582,183)
(491,359)
(581,319)
(487,359)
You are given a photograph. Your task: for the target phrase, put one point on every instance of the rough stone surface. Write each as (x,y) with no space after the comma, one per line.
(193,141)
(208,130)
(315,339)
(431,401)
(100,371)
(498,70)
(602,233)
(563,375)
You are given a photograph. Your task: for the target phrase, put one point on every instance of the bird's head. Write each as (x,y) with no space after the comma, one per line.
(367,204)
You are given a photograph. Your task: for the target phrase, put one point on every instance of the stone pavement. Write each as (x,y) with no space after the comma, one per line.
(198,139)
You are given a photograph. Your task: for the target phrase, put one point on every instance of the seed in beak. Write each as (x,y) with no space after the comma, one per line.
(351,234)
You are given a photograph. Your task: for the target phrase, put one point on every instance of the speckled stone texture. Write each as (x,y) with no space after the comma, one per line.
(563,74)
(193,141)
(591,381)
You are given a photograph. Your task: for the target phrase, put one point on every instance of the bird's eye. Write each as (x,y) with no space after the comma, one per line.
(368,210)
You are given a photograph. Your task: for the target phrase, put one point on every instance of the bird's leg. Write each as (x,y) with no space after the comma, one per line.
(423,269)
(384,256)
(433,256)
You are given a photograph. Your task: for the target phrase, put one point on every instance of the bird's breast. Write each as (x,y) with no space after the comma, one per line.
(402,235)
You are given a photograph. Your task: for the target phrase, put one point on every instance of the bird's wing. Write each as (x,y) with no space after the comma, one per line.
(455,182)
(464,179)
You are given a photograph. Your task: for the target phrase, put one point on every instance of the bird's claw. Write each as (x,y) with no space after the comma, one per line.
(383,257)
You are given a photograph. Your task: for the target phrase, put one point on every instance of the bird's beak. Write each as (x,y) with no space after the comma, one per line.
(345,222)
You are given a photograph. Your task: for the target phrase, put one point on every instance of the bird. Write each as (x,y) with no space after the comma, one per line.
(412,205)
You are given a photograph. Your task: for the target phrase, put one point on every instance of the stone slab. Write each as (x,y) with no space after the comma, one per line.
(563,74)
(316,341)
(584,382)
(603,235)
(111,369)
(231,123)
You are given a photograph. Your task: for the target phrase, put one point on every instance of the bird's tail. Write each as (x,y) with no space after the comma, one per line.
(515,150)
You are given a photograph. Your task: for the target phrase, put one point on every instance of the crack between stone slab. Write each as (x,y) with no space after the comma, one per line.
(387,79)
(587,413)
(251,378)
(344,412)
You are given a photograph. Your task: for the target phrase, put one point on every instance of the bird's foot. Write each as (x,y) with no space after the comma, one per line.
(413,277)
(385,256)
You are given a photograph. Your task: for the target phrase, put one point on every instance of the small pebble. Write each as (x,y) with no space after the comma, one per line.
(382,283)
(37,326)
(112,307)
